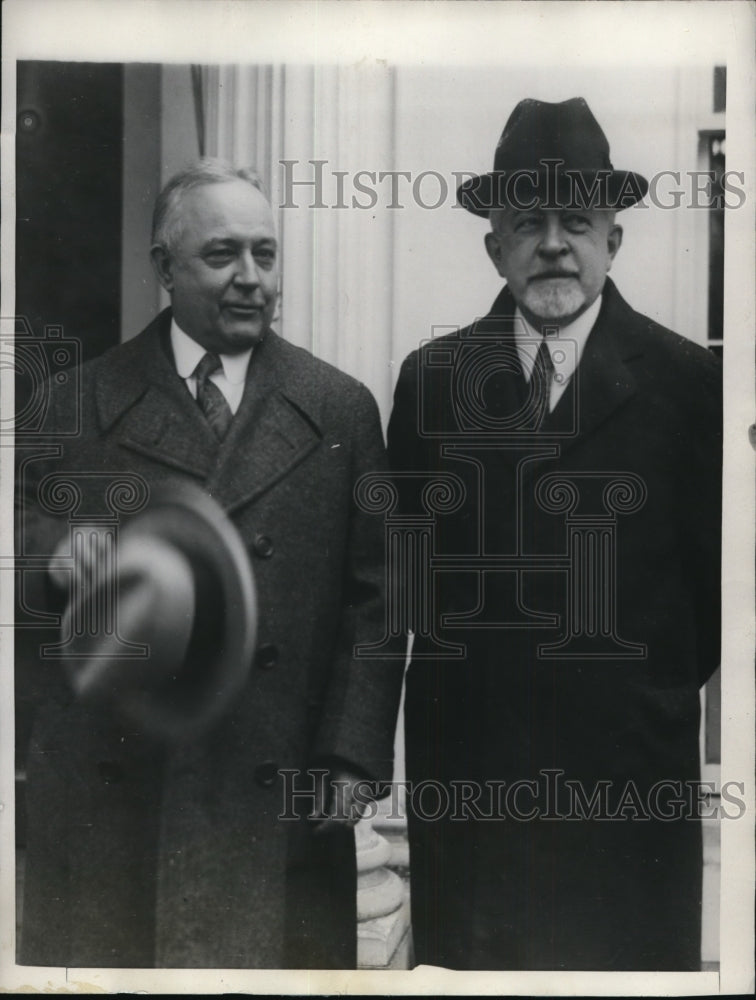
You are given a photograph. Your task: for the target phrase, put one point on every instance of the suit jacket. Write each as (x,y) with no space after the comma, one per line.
(583,653)
(138,855)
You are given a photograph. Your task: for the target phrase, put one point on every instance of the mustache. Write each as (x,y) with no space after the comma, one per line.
(544,275)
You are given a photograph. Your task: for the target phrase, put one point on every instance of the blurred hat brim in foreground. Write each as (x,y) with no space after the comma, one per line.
(178,619)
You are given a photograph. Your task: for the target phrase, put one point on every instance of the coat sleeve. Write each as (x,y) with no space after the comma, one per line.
(702,513)
(38,530)
(408,459)
(359,716)
(403,428)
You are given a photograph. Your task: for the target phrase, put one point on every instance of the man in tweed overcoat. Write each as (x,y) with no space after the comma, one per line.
(140,854)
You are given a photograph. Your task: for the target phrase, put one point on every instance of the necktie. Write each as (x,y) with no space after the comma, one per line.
(543,373)
(211,400)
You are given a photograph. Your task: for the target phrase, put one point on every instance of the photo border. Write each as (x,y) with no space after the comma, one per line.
(280,31)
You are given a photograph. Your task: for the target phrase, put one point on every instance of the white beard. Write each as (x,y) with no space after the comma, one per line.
(554,299)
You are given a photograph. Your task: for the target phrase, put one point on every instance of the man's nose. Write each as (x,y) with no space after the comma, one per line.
(245,272)
(553,238)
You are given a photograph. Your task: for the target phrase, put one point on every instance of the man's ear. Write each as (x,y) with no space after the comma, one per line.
(613,242)
(493,249)
(163,266)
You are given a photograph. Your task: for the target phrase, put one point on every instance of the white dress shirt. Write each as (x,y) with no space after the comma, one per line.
(565,347)
(230,378)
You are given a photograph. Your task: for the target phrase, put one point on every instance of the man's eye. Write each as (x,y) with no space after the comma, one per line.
(528,224)
(266,257)
(217,258)
(576,223)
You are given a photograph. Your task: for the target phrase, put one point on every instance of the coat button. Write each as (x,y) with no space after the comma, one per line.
(263,546)
(267,657)
(265,774)
(110,772)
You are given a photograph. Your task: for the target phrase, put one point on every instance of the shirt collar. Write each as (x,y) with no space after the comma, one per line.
(572,337)
(188,353)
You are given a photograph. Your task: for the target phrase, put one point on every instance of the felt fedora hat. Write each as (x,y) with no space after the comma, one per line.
(555,155)
(175,619)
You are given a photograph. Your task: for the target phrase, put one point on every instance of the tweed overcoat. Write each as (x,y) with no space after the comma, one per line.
(138,855)
(537,879)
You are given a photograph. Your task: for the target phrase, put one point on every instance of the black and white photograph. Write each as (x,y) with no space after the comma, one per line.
(377,510)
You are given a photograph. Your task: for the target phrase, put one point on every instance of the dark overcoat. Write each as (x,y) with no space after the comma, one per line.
(138,855)
(586,595)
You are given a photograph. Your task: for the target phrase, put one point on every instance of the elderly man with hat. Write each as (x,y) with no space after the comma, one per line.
(170,817)
(552,707)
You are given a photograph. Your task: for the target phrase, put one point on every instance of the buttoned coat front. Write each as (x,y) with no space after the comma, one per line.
(578,577)
(139,855)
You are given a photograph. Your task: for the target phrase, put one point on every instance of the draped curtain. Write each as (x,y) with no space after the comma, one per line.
(336,282)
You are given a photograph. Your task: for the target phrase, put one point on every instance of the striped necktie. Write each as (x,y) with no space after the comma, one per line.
(211,400)
(543,373)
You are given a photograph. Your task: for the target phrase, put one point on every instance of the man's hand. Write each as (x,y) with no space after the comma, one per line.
(340,807)
(90,559)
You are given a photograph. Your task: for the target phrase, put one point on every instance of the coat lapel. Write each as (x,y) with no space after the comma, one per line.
(142,400)
(273,430)
(602,382)
(504,393)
